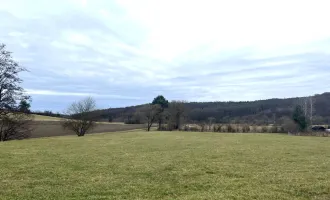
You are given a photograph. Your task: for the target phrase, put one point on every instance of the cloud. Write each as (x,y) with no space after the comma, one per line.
(57,93)
(126,53)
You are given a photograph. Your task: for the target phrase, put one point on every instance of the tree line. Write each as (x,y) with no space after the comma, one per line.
(260,112)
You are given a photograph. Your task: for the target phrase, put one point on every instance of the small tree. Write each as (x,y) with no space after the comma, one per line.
(211,121)
(80,118)
(299,118)
(177,112)
(289,126)
(16,126)
(264,129)
(163,103)
(24,106)
(151,114)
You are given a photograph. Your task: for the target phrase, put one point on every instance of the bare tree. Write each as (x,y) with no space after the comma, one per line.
(289,125)
(13,123)
(177,113)
(80,119)
(311,107)
(15,126)
(151,114)
(308,106)
(211,121)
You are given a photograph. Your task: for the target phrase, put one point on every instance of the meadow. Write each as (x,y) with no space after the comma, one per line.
(166,165)
(45,126)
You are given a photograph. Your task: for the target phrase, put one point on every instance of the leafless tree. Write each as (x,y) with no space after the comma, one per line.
(289,126)
(177,113)
(311,108)
(150,113)
(80,119)
(16,126)
(13,124)
(308,106)
(211,121)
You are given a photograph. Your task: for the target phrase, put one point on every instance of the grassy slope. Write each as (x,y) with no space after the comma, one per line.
(45,118)
(48,118)
(44,126)
(166,165)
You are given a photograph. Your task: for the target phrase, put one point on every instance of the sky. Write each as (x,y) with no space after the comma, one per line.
(126,52)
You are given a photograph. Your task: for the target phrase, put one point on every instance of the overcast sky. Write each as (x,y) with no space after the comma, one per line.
(126,52)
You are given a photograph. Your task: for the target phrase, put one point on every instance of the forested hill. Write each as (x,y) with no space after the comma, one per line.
(258,112)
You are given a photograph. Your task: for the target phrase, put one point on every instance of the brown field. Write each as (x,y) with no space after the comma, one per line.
(54,128)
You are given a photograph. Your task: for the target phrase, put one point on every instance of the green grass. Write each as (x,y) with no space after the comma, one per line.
(166,165)
(48,118)
(45,118)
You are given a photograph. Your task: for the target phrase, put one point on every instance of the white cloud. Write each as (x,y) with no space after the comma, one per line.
(176,27)
(15,34)
(57,93)
(77,38)
(194,50)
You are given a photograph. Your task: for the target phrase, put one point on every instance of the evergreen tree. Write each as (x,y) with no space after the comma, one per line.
(299,118)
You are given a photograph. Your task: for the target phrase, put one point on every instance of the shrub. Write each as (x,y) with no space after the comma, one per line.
(246,128)
(194,129)
(203,127)
(237,127)
(220,128)
(273,129)
(254,129)
(264,129)
(281,129)
(230,129)
(290,126)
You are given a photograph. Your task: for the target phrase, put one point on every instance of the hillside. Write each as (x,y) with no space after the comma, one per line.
(258,112)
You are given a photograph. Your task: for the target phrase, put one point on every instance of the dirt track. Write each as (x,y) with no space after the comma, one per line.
(54,128)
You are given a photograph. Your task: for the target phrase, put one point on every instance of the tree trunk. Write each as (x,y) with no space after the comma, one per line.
(159,124)
(148,126)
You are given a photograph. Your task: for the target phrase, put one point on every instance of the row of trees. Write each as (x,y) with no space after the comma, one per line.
(261,112)
(168,115)
(172,115)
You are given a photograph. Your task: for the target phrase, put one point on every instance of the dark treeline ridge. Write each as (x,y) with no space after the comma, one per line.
(261,112)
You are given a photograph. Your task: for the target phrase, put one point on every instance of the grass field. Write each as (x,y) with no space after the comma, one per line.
(166,165)
(45,126)
(54,128)
(45,118)
(48,118)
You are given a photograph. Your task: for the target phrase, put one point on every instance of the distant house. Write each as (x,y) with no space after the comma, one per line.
(318,128)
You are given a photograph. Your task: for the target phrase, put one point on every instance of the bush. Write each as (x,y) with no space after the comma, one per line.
(220,127)
(246,128)
(273,129)
(203,127)
(230,129)
(290,126)
(194,129)
(215,128)
(185,128)
(282,130)
(264,129)
(164,128)
(254,129)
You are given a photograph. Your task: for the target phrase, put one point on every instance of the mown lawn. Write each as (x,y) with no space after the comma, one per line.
(166,165)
